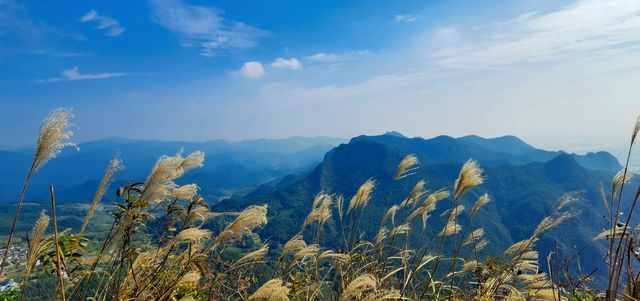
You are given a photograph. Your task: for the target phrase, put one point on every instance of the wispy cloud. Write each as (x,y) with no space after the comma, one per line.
(282,63)
(405,18)
(74,74)
(204,27)
(111,25)
(325,57)
(579,30)
(251,69)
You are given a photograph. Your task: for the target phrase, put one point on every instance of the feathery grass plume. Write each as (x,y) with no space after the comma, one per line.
(321,211)
(414,195)
(340,206)
(114,166)
(193,160)
(272,290)
(250,218)
(553,221)
(406,166)
(471,265)
(35,241)
(470,176)
(401,229)
(617,232)
(252,257)
(483,200)
(185,192)
(454,212)
(358,288)
(428,205)
(391,214)
(52,138)
(520,246)
(191,235)
(160,183)
(623,176)
(450,228)
(307,251)
(318,199)
(363,195)
(475,234)
(53,131)
(338,257)
(381,235)
(636,129)
(294,244)
(189,279)
(480,245)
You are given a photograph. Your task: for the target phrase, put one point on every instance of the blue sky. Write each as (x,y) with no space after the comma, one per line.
(560,74)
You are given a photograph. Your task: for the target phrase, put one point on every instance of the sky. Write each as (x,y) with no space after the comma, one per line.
(559,74)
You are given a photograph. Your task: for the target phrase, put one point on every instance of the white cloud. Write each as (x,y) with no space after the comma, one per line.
(74,74)
(251,69)
(323,57)
(204,27)
(111,25)
(405,18)
(291,64)
(579,30)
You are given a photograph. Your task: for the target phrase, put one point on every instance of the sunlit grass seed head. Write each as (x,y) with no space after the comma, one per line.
(362,197)
(406,167)
(470,176)
(272,290)
(53,137)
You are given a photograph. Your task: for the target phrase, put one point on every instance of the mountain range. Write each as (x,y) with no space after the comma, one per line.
(524,183)
(229,166)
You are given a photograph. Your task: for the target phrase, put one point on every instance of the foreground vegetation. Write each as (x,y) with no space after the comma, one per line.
(157,247)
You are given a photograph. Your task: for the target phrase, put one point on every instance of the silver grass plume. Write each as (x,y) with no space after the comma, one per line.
(450,228)
(363,285)
(406,166)
(252,257)
(362,197)
(114,166)
(54,131)
(636,129)
(470,176)
(623,176)
(415,194)
(482,200)
(35,241)
(249,219)
(272,290)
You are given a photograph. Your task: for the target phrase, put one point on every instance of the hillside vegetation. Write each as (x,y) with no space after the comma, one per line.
(381,218)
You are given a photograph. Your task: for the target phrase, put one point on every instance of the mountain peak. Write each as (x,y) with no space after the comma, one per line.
(395,133)
(504,144)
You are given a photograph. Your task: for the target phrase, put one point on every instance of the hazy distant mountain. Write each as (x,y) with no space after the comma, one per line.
(523,182)
(228,165)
